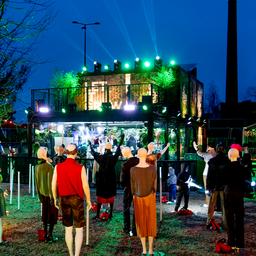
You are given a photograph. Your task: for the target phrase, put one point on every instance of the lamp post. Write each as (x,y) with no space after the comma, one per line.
(84,26)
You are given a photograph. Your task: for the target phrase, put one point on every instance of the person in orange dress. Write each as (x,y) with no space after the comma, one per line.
(143,188)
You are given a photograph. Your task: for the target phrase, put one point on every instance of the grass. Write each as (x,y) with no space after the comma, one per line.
(177,235)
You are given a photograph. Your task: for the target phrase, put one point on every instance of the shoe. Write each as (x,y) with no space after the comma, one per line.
(205,205)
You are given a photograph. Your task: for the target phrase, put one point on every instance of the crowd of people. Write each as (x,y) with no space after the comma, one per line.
(62,184)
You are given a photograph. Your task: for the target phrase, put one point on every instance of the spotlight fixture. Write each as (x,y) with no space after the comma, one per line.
(97,67)
(117,66)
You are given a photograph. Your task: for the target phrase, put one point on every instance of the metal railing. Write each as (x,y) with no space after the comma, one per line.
(91,97)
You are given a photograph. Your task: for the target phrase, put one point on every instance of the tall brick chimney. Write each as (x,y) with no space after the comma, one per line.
(231,65)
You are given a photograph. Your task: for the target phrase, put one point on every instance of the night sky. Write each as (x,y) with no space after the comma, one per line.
(189,31)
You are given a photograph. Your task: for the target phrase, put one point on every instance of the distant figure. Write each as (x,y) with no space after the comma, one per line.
(210,153)
(247,163)
(143,187)
(234,200)
(172,183)
(125,182)
(182,187)
(70,185)
(106,176)
(43,177)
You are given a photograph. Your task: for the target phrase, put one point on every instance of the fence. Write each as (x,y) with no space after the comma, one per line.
(21,164)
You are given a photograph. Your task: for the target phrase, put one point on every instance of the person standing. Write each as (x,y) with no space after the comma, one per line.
(183,188)
(43,178)
(215,183)
(209,154)
(106,176)
(125,182)
(234,201)
(172,185)
(247,162)
(70,183)
(143,188)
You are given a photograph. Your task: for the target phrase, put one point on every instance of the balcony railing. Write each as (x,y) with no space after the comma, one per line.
(91,97)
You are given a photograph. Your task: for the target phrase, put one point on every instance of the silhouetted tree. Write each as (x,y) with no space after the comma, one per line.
(212,98)
(21,22)
(251,93)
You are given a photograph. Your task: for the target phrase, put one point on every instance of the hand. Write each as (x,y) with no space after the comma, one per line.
(168,144)
(89,205)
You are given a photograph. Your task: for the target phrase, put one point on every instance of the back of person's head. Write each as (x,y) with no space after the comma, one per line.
(71,150)
(151,146)
(220,148)
(171,171)
(233,154)
(126,152)
(142,153)
(108,146)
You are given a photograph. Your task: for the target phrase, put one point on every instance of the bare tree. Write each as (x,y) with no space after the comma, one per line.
(21,22)
(251,93)
(212,98)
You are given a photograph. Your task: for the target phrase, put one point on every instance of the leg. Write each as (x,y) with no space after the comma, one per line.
(179,198)
(98,210)
(211,207)
(224,221)
(126,210)
(240,223)
(69,239)
(186,197)
(150,244)
(111,210)
(143,243)
(78,241)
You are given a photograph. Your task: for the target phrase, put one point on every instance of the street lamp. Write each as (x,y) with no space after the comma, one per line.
(84,26)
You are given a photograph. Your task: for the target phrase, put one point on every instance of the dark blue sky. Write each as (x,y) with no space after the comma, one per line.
(189,31)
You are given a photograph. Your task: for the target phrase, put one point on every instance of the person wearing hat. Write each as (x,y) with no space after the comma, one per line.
(106,176)
(43,178)
(215,183)
(210,153)
(70,183)
(234,199)
(125,182)
(143,188)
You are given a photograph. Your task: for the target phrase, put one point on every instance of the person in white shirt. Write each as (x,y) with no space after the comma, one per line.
(210,153)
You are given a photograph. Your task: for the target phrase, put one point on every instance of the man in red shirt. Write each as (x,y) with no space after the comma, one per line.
(70,181)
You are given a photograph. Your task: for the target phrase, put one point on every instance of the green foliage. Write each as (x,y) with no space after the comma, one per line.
(64,80)
(164,78)
(67,81)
